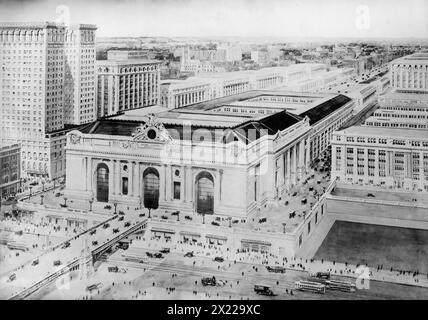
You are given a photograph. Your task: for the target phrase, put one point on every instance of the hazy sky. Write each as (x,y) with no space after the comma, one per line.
(258,18)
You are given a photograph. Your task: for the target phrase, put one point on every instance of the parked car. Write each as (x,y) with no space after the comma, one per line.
(215,223)
(57,263)
(35,262)
(165,250)
(158,255)
(120,219)
(106,225)
(66,245)
(127,224)
(219,259)
(189,254)
(93,232)
(94,243)
(116,230)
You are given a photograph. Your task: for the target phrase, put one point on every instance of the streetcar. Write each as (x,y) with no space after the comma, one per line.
(275,269)
(340,285)
(321,275)
(311,286)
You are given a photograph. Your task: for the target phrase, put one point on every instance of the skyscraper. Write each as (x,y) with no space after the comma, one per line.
(47,81)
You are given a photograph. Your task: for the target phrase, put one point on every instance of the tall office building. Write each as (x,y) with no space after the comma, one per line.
(45,84)
(79,81)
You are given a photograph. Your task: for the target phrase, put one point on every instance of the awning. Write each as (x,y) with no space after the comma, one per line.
(162,230)
(187,233)
(264,243)
(213,236)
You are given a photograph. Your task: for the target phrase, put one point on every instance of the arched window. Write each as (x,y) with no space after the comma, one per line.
(102,182)
(151,188)
(204,193)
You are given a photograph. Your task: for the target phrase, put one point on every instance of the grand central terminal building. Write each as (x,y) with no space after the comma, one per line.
(228,156)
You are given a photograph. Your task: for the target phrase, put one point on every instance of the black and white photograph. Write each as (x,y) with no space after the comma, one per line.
(196,150)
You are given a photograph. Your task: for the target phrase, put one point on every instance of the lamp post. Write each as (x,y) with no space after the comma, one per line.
(230,222)
(203,218)
(141,201)
(41,199)
(65,201)
(115,207)
(149,212)
(284,224)
(29,197)
(178,215)
(43,186)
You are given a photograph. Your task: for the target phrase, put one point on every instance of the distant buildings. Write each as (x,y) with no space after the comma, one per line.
(126,85)
(126,54)
(178,93)
(47,83)
(391,149)
(410,73)
(10,171)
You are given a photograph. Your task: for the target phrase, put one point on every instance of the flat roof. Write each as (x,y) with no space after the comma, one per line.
(386,132)
(126,62)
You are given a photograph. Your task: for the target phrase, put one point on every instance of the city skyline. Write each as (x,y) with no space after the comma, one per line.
(197,18)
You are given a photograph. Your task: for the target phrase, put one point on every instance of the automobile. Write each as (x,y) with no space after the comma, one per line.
(66,245)
(292,214)
(294,193)
(94,243)
(19,233)
(164,217)
(94,286)
(57,263)
(263,290)
(304,201)
(188,218)
(113,269)
(217,219)
(106,225)
(189,254)
(158,255)
(120,219)
(116,230)
(142,215)
(12,277)
(127,224)
(149,254)
(35,262)
(58,194)
(371,195)
(175,213)
(219,259)
(208,281)
(121,213)
(108,207)
(262,220)
(215,223)
(93,232)
(165,250)
(275,269)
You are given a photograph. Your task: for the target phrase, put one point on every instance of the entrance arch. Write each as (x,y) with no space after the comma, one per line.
(102,182)
(205,193)
(151,188)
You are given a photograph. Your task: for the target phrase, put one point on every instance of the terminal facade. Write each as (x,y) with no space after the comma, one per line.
(198,159)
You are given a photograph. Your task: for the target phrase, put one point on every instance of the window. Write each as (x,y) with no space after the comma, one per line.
(177,189)
(124,186)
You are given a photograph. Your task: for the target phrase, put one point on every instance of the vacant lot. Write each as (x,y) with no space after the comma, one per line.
(400,248)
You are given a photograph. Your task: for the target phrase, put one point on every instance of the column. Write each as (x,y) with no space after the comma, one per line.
(302,158)
(168,183)
(136,180)
(131,178)
(288,168)
(221,183)
(118,179)
(294,164)
(183,183)
(114,177)
(162,189)
(308,154)
(85,169)
(189,184)
(281,174)
(91,175)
